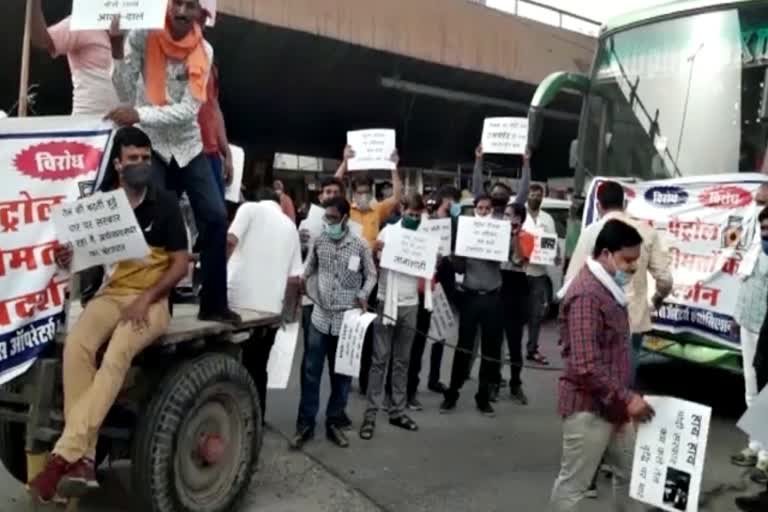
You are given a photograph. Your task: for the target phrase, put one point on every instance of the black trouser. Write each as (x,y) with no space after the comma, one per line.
(255,358)
(367,355)
(417,353)
(478,311)
(306,321)
(514,300)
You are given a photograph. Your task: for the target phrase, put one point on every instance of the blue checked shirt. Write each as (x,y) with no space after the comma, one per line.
(751,305)
(345,274)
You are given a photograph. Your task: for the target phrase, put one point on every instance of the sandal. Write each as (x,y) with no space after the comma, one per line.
(404,422)
(367,429)
(538,358)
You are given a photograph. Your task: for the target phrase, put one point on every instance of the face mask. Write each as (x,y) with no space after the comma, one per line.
(621,278)
(136,176)
(455,210)
(363,201)
(411,223)
(765,245)
(334,231)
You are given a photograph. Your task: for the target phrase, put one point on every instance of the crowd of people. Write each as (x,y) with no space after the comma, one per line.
(160,88)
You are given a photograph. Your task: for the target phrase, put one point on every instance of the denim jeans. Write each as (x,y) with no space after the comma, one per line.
(319,348)
(217,168)
(196,179)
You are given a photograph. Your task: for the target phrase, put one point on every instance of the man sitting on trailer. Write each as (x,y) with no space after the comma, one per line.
(129,313)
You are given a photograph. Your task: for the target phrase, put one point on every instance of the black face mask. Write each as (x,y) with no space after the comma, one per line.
(137,176)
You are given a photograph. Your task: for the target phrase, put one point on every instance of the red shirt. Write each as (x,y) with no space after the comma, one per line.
(209,129)
(595,334)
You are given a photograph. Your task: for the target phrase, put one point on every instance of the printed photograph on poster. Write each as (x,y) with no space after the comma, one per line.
(134,14)
(444,323)
(483,238)
(442,229)
(505,135)
(351,336)
(233,192)
(544,249)
(281,356)
(373,149)
(102,229)
(670,453)
(410,252)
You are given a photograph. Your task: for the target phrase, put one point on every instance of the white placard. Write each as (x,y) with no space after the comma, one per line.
(373,149)
(483,238)
(410,252)
(102,229)
(210,6)
(444,324)
(351,337)
(505,135)
(754,420)
(313,224)
(232,192)
(442,229)
(355,228)
(134,14)
(544,249)
(669,455)
(281,356)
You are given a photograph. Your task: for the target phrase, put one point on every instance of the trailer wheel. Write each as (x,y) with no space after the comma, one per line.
(12,453)
(197,444)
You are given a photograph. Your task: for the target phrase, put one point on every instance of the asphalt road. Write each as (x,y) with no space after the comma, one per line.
(457,462)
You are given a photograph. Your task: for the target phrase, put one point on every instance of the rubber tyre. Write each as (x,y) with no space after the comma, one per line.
(180,396)
(12,453)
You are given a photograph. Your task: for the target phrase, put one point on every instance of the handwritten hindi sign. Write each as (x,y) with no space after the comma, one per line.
(102,229)
(544,249)
(410,252)
(505,135)
(442,229)
(444,324)
(483,238)
(351,337)
(373,149)
(281,356)
(669,455)
(46,162)
(134,14)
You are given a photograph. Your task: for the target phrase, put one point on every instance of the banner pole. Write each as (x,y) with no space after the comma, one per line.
(25,47)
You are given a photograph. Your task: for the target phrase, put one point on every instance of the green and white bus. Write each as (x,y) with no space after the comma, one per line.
(679,90)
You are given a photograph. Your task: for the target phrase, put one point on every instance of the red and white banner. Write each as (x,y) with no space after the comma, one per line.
(44,161)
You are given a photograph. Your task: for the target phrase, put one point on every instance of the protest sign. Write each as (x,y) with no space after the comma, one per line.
(314,221)
(753,422)
(102,229)
(134,14)
(350,346)
(483,238)
(46,162)
(709,225)
(355,228)
(410,252)
(544,249)
(505,135)
(669,455)
(440,228)
(373,150)
(281,356)
(444,324)
(233,192)
(210,6)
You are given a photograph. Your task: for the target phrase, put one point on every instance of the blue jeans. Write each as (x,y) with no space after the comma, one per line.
(319,348)
(207,204)
(217,167)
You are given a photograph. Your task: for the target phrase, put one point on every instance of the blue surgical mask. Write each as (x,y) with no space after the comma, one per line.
(765,245)
(334,231)
(455,210)
(621,278)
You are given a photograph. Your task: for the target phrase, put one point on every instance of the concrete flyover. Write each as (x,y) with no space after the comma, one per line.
(296,74)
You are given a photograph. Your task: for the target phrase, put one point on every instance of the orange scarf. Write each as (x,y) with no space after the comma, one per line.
(160,47)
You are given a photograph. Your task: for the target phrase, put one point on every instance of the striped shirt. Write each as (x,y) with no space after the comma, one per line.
(594,330)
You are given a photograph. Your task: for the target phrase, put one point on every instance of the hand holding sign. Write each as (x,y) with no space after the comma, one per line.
(371,150)
(505,135)
(135,14)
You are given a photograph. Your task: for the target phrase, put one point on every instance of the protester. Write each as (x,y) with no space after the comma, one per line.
(537,222)
(394,329)
(163,77)
(286,203)
(262,237)
(90,61)
(128,314)
(346,275)
(595,399)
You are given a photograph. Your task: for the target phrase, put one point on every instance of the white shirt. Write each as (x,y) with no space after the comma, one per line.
(407,286)
(543,223)
(268,252)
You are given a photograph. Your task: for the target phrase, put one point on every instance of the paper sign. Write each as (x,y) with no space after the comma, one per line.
(210,6)
(544,250)
(373,150)
(313,224)
(444,324)
(754,420)
(233,192)
(442,229)
(351,337)
(669,455)
(483,238)
(410,252)
(505,135)
(355,228)
(102,229)
(281,356)
(134,14)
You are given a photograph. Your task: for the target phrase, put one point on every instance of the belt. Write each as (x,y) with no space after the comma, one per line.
(481,292)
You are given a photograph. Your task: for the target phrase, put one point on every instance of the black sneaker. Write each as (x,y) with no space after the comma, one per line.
(486,409)
(414,405)
(222,317)
(302,436)
(518,395)
(448,406)
(336,435)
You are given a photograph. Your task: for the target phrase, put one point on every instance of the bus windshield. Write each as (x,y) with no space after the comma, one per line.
(680,97)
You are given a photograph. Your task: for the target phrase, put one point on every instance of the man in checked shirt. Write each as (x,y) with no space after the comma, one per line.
(596,402)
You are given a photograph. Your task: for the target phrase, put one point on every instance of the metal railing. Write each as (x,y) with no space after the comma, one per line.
(546,14)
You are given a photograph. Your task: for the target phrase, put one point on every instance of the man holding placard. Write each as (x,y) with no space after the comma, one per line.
(130,311)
